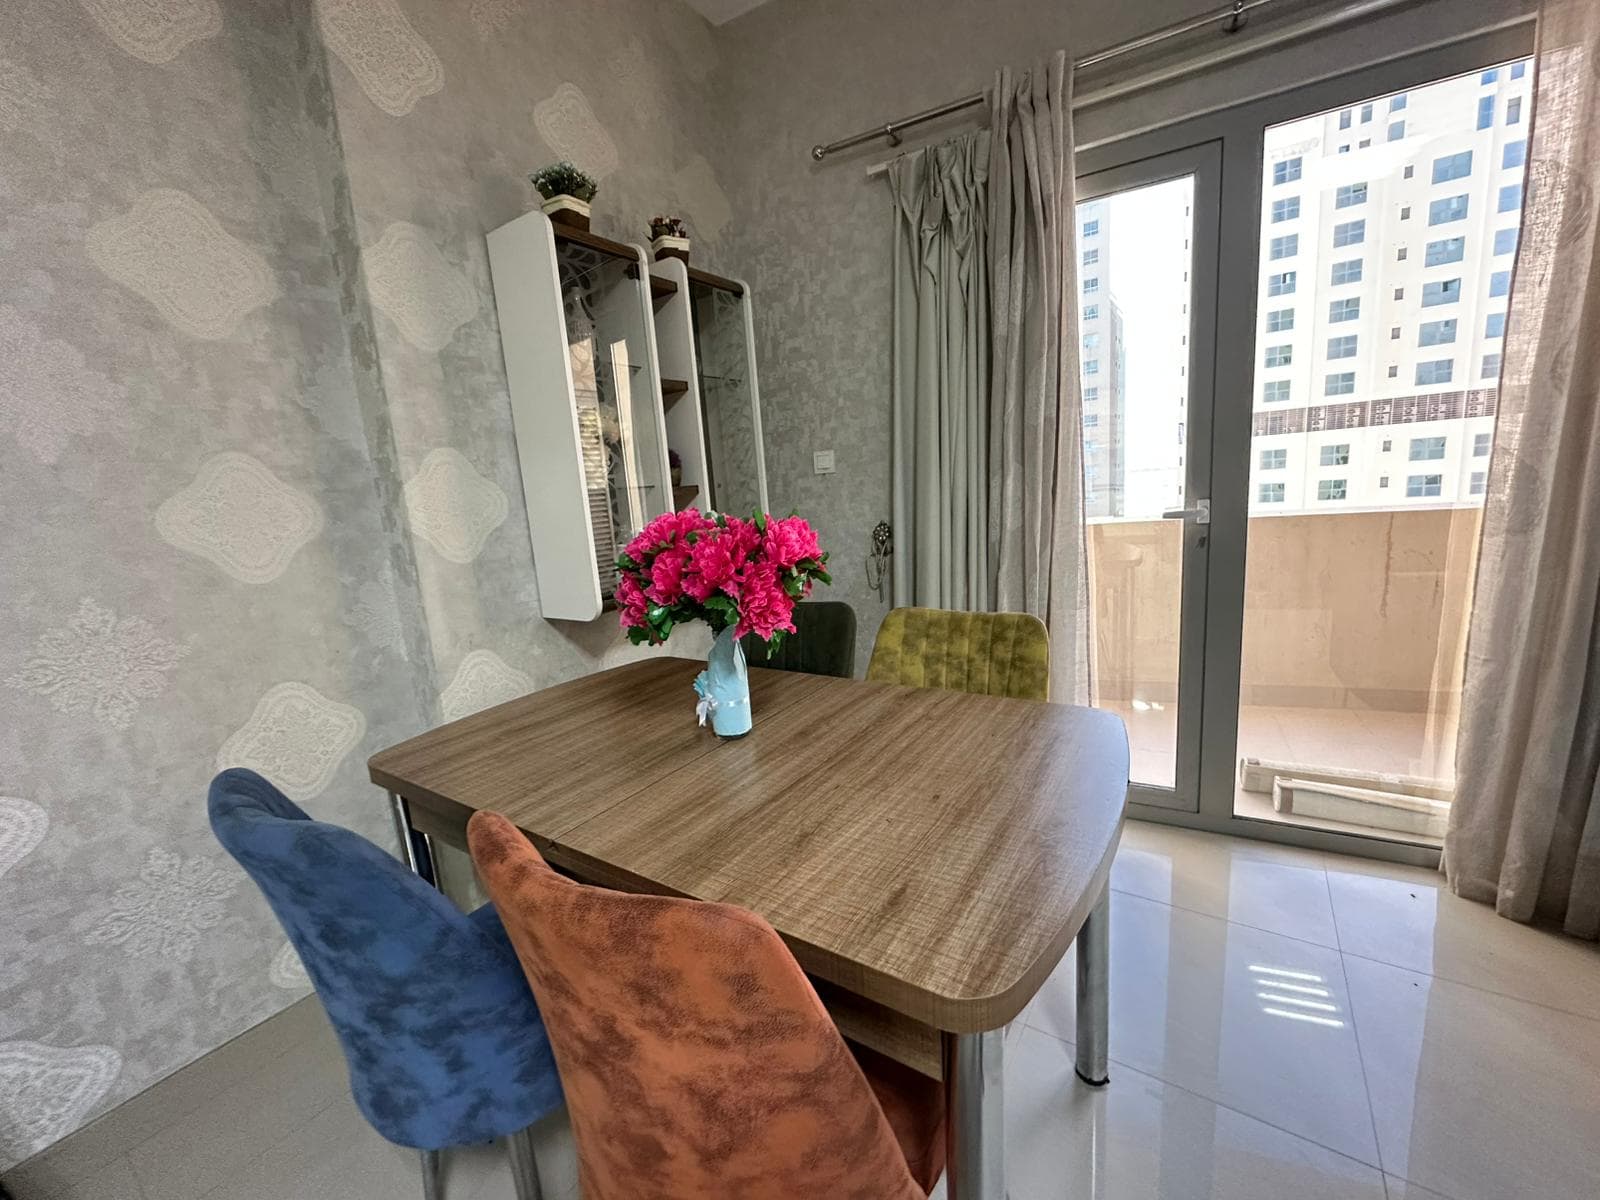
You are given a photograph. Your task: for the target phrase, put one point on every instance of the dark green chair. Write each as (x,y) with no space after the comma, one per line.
(993,654)
(824,642)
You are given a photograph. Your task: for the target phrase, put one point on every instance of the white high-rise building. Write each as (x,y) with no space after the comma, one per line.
(1388,235)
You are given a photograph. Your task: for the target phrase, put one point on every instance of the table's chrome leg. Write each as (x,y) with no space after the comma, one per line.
(974,1083)
(403,831)
(1094,993)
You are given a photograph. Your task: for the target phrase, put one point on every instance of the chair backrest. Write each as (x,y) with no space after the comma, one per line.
(441,1034)
(696,1057)
(993,654)
(823,643)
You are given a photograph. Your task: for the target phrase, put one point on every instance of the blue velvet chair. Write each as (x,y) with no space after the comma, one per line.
(443,1040)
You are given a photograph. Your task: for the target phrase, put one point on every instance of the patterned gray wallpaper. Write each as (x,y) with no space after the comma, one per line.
(258,495)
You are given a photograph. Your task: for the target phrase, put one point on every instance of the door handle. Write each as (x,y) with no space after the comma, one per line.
(1200,513)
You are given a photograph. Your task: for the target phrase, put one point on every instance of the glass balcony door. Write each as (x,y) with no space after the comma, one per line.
(1146,241)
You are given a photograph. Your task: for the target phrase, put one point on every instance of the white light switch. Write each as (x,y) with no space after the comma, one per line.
(822,462)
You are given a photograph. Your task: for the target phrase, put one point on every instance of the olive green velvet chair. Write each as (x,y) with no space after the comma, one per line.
(993,654)
(823,643)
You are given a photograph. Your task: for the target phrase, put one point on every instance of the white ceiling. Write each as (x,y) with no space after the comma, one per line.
(719,12)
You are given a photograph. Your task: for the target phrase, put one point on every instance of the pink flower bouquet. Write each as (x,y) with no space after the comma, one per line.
(725,571)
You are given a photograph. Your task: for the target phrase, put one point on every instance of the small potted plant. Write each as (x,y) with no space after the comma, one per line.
(567,192)
(669,238)
(675,461)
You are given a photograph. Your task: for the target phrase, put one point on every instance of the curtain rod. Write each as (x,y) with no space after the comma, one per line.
(1232,18)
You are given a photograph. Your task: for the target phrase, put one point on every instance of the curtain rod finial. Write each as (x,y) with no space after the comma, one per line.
(818,152)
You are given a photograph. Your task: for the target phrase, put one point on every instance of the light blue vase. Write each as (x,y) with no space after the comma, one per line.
(724,687)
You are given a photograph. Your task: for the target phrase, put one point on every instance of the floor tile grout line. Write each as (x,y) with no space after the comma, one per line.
(1451,979)
(1228,920)
(1344,1154)
(1355,1032)
(287,1134)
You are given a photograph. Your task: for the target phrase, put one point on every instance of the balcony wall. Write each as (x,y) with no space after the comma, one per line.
(1342,610)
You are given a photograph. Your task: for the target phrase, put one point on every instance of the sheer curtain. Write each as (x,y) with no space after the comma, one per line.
(1525,827)
(1035,467)
(940,505)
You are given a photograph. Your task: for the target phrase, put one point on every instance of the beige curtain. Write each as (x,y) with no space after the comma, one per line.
(1525,828)
(941,375)
(1036,531)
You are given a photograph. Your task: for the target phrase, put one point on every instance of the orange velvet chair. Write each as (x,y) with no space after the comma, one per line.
(696,1058)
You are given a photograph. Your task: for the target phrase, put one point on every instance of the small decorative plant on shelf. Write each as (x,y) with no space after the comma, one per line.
(669,238)
(567,192)
(675,464)
(739,577)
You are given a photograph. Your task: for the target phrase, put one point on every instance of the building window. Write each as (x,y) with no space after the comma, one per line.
(1344,119)
(1350,233)
(1424,485)
(1489,76)
(1401,253)
(1450,208)
(1485,112)
(1091,257)
(1515,154)
(1394,333)
(1091,312)
(1280,320)
(1439,370)
(1335,455)
(1505,241)
(1396,103)
(1090,228)
(1366,113)
(1348,309)
(1446,250)
(1091,420)
(1500,283)
(1394,371)
(1274,460)
(1275,391)
(1480,445)
(1452,166)
(1511,198)
(1284,247)
(1397,130)
(1339,383)
(1279,356)
(1330,489)
(1091,394)
(1518,69)
(1091,284)
(1514,111)
(1350,195)
(1399,293)
(1441,291)
(1405,209)
(1348,271)
(1280,285)
(1363,143)
(1092,367)
(1342,347)
(1383,481)
(1286,209)
(1436,333)
(1286,170)
(1490,368)
(1424,449)
(1091,341)
(1494,325)
(1269,493)
(1479,481)
(1345,149)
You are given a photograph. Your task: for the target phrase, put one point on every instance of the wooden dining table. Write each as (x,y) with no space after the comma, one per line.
(927,855)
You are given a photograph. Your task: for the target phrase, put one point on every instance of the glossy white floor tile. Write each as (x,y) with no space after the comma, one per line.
(1411,919)
(1142,1139)
(1285,1026)
(1249,1019)
(1276,888)
(1477,1095)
